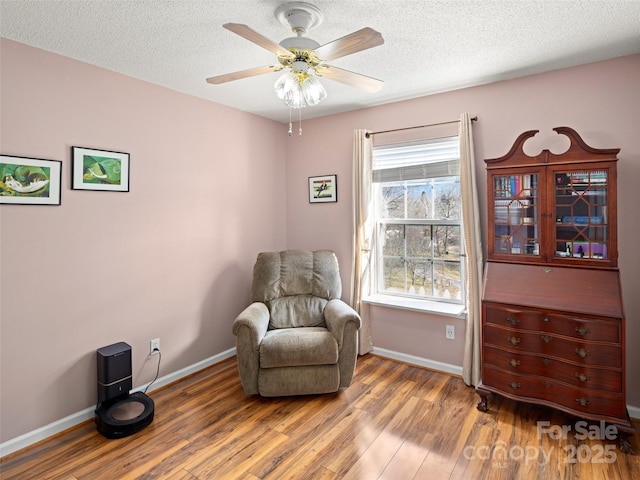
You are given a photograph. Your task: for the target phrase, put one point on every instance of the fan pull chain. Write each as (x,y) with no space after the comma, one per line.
(300,122)
(290,131)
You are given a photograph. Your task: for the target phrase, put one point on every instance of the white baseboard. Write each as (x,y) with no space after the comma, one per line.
(74,419)
(634,412)
(422,362)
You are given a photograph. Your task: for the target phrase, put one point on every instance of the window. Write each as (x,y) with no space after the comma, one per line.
(417,199)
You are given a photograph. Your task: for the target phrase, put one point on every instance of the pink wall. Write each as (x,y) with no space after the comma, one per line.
(171,259)
(601,101)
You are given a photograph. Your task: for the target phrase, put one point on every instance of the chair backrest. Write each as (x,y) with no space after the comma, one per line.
(296,285)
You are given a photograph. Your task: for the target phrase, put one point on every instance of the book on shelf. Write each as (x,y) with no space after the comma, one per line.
(515,186)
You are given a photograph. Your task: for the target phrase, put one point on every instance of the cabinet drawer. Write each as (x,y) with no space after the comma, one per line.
(534,388)
(605,330)
(578,375)
(547,344)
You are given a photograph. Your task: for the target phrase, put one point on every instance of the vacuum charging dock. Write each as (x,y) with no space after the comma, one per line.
(119,413)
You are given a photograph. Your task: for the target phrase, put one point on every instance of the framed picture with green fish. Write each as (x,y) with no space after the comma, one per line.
(99,170)
(29,181)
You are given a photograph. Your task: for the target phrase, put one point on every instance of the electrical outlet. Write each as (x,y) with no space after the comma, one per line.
(450,332)
(154,346)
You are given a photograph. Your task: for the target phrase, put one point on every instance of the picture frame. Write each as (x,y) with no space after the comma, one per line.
(30,181)
(323,189)
(101,170)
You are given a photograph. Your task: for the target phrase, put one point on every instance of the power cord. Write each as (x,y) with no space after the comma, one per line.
(157,370)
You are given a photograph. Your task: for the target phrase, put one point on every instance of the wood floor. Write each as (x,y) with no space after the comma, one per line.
(395,422)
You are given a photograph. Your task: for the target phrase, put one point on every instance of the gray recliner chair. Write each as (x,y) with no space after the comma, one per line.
(297,337)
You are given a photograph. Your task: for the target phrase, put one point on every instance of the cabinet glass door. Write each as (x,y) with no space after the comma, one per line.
(516,211)
(581,225)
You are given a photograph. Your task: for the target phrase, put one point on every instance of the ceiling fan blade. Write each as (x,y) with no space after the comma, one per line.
(357,80)
(260,40)
(252,72)
(352,43)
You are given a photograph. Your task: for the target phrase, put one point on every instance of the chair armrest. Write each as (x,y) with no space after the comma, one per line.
(337,314)
(249,328)
(255,319)
(344,322)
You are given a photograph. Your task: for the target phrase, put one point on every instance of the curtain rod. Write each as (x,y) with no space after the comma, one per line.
(368,134)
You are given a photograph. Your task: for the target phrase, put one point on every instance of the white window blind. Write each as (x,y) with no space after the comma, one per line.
(433,158)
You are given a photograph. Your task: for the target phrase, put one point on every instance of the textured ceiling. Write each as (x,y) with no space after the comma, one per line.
(430,46)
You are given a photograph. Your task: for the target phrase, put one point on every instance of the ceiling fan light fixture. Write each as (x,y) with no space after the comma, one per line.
(288,88)
(299,89)
(285,83)
(313,91)
(294,99)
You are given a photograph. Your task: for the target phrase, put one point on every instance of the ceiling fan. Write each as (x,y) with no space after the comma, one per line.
(303,58)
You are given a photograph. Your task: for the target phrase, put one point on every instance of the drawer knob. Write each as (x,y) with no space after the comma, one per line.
(546,362)
(545,338)
(514,385)
(583,402)
(583,353)
(514,363)
(513,340)
(582,377)
(513,320)
(582,331)
(546,319)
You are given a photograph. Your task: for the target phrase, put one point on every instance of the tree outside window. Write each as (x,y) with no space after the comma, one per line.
(420,238)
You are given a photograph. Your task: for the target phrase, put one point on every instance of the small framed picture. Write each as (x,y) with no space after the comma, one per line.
(99,170)
(29,181)
(323,189)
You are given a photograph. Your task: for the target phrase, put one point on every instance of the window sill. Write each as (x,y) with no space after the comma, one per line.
(440,308)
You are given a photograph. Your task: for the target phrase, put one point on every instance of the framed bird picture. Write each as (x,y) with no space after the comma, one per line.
(323,189)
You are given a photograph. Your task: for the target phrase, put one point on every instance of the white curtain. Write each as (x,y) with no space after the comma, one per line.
(471,370)
(363,255)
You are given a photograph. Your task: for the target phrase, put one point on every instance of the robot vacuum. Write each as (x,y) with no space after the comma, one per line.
(124,417)
(119,413)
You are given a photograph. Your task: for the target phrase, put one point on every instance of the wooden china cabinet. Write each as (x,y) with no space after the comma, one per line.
(553,326)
